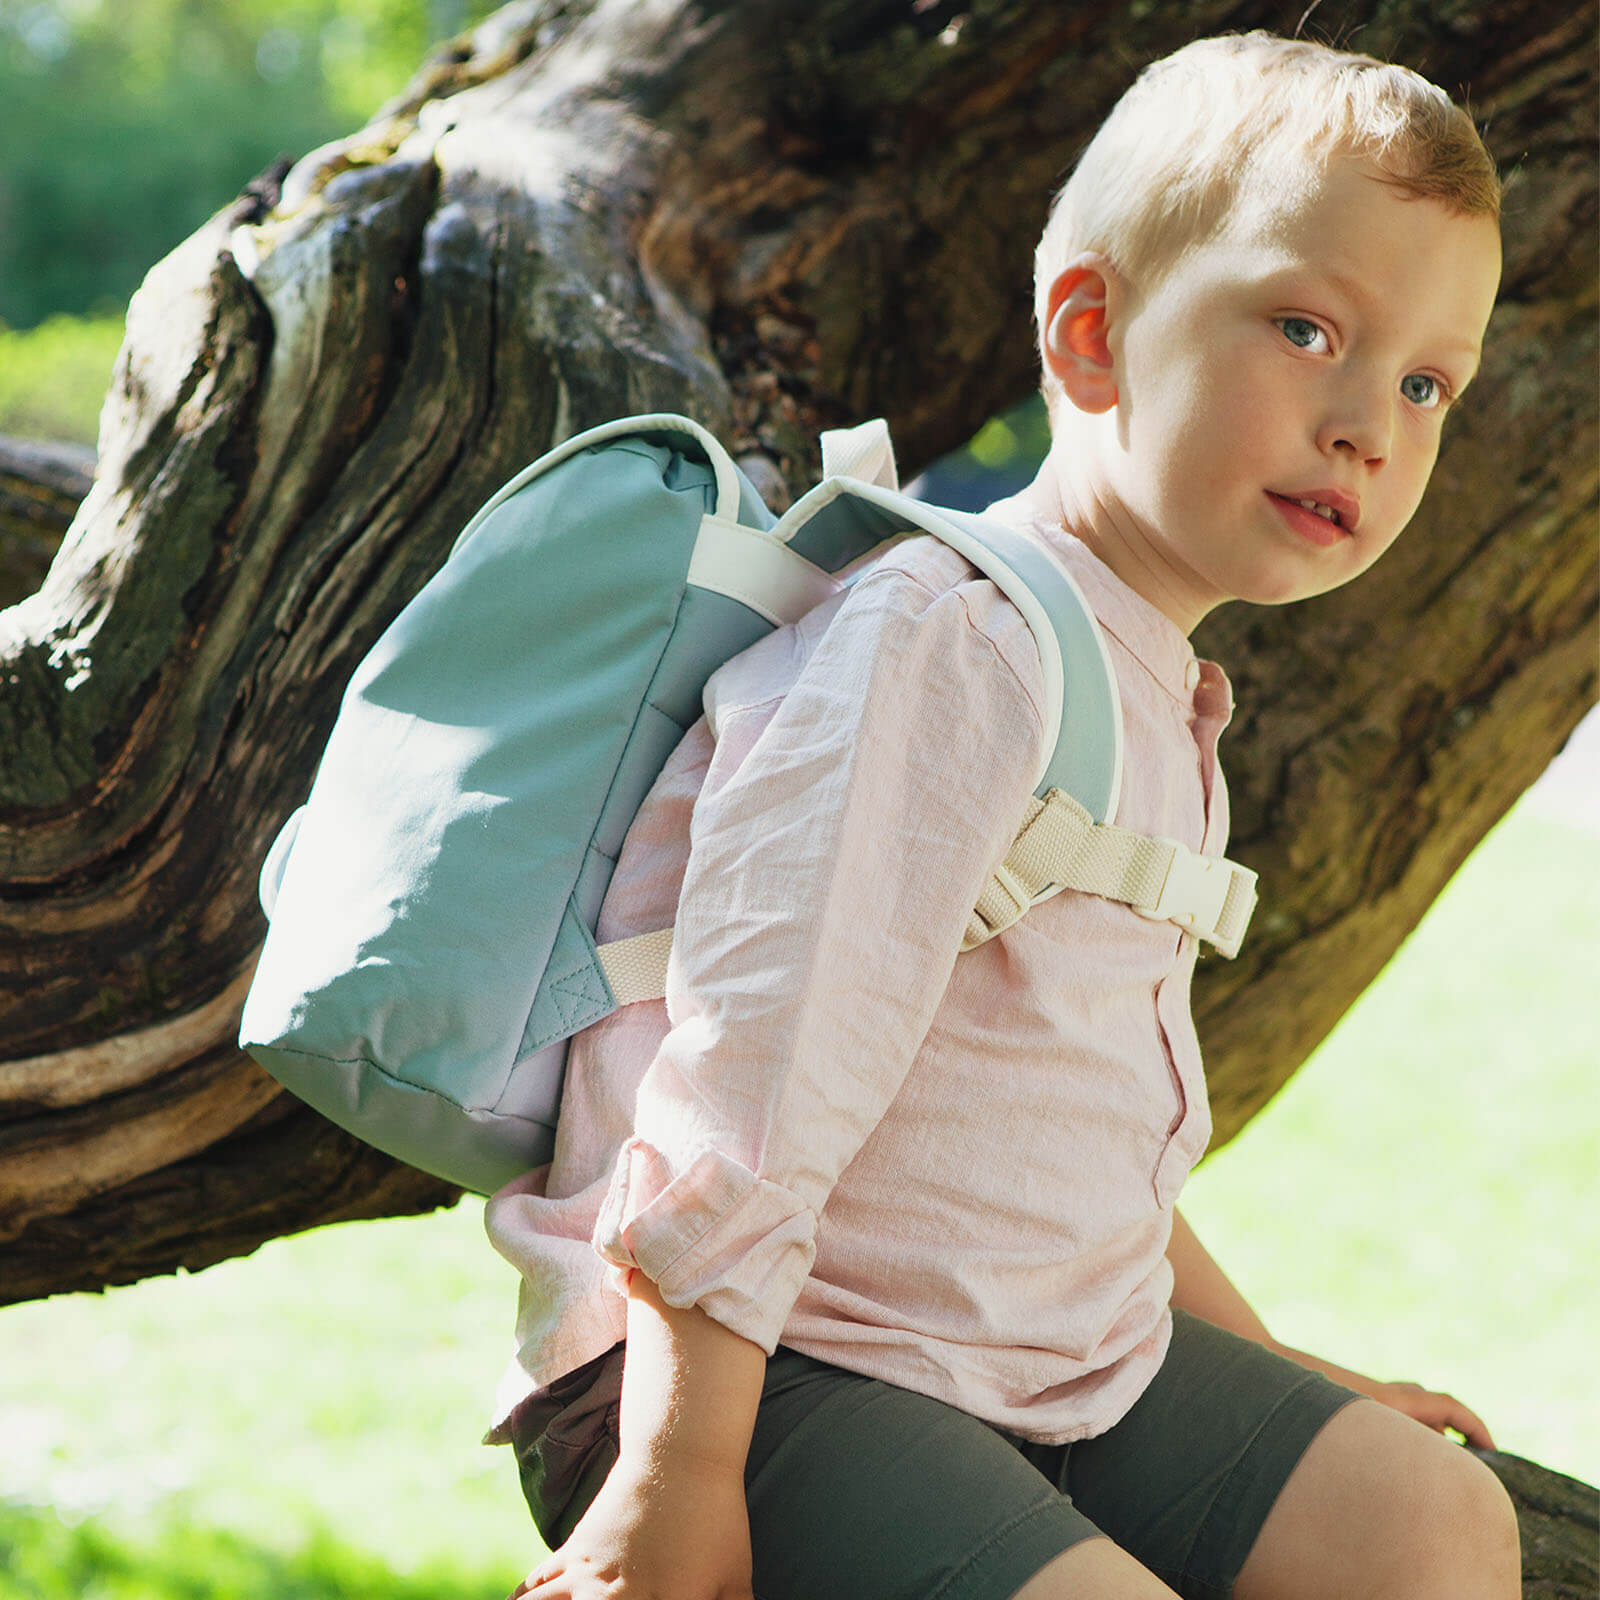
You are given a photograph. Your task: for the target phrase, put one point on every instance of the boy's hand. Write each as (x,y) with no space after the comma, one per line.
(1434,1410)
(1427,1406)
(682,1533)
(670,1522)
(1200,1286)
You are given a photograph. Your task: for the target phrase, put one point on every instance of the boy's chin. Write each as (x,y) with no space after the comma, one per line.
(1277,589)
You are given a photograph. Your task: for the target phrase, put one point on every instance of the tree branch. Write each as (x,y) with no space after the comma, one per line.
(775,217)
(41,487)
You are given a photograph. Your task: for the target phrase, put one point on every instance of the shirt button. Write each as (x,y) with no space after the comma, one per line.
(1191,676)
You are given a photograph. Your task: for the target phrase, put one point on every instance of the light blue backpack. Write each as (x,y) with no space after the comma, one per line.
(432,905)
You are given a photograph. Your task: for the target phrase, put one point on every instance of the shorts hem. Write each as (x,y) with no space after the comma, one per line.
(1017,1551)
(1231,1526)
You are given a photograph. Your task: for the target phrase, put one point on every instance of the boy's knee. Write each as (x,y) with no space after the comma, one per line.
(1383,1508)
(1464,1528)
(1482,1520)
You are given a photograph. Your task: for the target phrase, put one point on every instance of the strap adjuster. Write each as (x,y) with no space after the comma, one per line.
(1005,901)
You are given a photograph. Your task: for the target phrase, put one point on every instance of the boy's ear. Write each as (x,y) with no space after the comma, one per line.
(1075,347)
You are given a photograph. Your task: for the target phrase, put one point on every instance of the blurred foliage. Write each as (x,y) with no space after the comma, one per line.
(43,1557)
(128,122)
(54,377)
(997,461)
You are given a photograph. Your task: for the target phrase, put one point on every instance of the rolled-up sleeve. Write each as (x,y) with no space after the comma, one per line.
(841,838)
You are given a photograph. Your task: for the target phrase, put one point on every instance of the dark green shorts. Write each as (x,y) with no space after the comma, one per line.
(859,1490)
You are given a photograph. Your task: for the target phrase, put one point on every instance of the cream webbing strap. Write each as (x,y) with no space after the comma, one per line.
(1060,846)
(636,968)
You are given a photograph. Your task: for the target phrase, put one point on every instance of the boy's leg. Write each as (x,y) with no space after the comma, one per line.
(1238,1473)
(1383,1507)
(1097,1569)
(859,1490)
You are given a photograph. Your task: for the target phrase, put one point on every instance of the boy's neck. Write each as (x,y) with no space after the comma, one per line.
(1063,497)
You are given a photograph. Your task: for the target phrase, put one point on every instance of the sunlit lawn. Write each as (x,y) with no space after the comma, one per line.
(1423,1202)
(1420,1203)
(54,377)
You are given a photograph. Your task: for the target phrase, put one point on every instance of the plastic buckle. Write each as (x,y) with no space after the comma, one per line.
(1193,892)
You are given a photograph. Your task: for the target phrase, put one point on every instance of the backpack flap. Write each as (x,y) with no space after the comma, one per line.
(273,868)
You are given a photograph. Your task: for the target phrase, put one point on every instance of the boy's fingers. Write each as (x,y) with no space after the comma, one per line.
(1469,1424)
(532,1581)
(1448,1412)
(1437,1411)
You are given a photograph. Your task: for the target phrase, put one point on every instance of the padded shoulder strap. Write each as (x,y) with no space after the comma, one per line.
(1066,841)
(1083,711)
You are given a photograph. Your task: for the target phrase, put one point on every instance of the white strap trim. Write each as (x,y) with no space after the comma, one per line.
(636,968)
(864,453)
(751,566)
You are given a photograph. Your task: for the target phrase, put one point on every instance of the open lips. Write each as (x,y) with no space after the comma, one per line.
(1322,510)
(1337,507)
(1321,514)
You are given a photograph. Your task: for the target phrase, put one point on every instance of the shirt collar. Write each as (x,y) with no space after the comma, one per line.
(1154,640)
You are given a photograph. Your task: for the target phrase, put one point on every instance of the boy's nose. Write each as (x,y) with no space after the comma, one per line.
(1359,427)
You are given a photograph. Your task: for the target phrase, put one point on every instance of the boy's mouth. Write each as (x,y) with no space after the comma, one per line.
(1335,511)
(1322,510)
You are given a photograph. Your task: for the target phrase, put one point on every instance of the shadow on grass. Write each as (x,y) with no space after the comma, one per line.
(43,1558)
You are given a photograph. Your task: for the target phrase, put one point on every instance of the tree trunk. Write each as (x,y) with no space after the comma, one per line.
(776,217)
(41,487)
(1559,1520)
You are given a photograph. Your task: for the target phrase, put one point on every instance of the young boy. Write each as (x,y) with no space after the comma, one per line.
(908,1309)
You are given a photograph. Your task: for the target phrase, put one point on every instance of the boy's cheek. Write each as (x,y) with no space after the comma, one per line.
(1379,547)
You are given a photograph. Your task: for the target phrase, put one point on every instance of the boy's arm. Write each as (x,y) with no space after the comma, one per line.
(1202,1288)
(671,1518)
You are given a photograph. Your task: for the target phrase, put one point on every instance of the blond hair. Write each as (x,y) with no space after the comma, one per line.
(1250,117)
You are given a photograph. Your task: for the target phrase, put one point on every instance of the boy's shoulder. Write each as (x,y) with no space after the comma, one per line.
(926,580)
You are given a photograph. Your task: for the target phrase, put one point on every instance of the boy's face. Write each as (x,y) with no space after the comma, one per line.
(1307,356)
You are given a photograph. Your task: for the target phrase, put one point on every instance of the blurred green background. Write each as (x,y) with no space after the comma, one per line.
(1419,1203)
(128,122)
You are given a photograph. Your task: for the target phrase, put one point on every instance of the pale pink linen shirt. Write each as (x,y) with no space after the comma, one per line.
(953,1174)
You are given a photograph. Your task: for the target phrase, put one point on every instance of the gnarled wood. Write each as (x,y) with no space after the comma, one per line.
(1559,1520)
(776,217)
(41,487)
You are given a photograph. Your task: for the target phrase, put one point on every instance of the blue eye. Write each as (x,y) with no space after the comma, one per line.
(1421,390)
(1303,333)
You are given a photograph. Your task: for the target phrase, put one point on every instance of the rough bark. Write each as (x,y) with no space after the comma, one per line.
(1559,1520)
(41,487)
(776,217)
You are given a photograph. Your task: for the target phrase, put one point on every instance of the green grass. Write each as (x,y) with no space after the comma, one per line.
(1418,1203)
(44,1558)
(330,1388)
(53,378)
